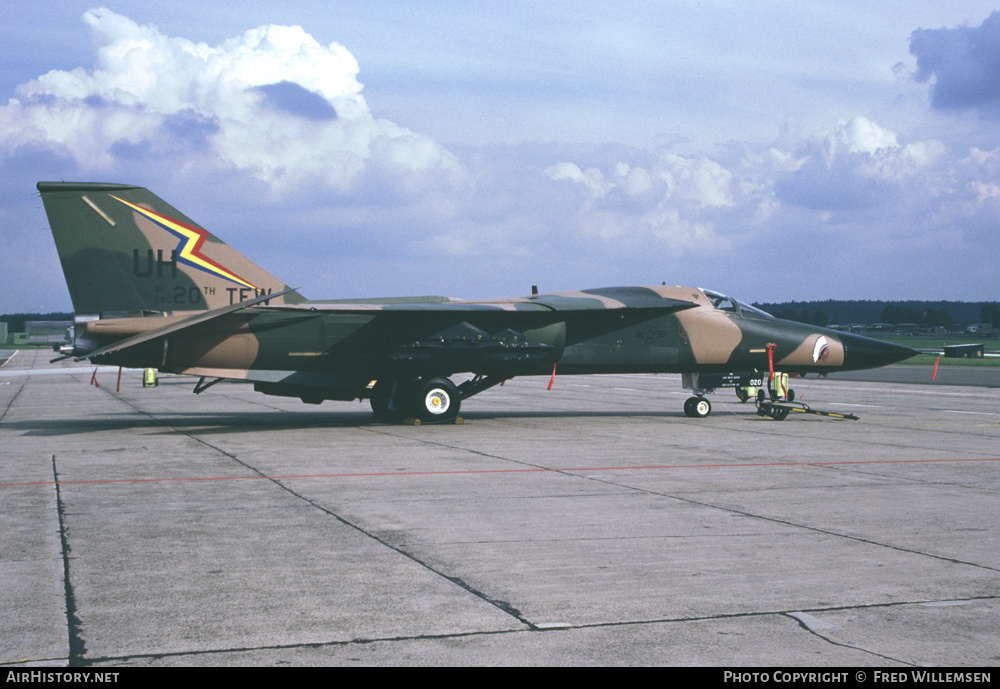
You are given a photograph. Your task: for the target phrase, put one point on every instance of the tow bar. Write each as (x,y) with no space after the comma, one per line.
(780,411)
(781,404)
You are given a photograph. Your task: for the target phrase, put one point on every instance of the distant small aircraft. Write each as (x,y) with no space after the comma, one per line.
(153,289)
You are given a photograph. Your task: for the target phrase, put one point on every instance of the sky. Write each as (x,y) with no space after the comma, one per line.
(773,151)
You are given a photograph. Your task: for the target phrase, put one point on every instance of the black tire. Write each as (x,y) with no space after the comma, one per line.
(697,407)
(435,400)
(742,394)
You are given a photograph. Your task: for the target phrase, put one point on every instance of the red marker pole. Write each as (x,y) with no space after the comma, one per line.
(770,358)
(553,378)
(934,374)
(118,388)
(93,378)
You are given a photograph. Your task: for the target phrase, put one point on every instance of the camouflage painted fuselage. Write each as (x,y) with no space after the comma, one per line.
(338,349)
(153,289)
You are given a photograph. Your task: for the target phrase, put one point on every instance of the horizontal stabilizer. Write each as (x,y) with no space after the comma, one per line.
(179,325)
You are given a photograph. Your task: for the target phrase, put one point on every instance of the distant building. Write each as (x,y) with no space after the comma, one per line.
(47,332)
(964,351)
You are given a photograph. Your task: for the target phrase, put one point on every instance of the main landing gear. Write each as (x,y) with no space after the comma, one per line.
(434,399)
(431,400)
(437,400)
(697,407)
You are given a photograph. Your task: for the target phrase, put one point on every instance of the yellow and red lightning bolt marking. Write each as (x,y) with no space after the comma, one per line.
(191,241)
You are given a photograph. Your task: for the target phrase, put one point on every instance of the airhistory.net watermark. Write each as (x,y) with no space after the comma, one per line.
(48,676)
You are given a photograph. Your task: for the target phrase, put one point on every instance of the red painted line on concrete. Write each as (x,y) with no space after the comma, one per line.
(492,471)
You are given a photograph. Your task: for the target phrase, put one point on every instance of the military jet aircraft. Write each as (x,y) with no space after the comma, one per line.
(153,289)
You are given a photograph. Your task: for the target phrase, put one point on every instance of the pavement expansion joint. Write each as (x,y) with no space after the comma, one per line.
(77,647)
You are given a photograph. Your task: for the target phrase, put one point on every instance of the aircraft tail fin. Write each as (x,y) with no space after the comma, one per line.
(126,251)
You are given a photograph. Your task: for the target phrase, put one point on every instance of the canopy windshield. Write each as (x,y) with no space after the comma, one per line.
(738,308)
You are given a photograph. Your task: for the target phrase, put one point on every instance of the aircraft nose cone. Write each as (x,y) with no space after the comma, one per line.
(864,352)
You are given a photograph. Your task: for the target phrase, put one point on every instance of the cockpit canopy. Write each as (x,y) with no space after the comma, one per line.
(724,303)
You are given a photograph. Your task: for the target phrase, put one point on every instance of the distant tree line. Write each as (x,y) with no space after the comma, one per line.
(927,313)
(990,314)
(895,314)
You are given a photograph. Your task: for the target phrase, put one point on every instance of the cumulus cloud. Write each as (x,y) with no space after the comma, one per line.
(663,200)
(273,103)
(703,181)
(962,64)
(846,202)
(859,165)
(694,205)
